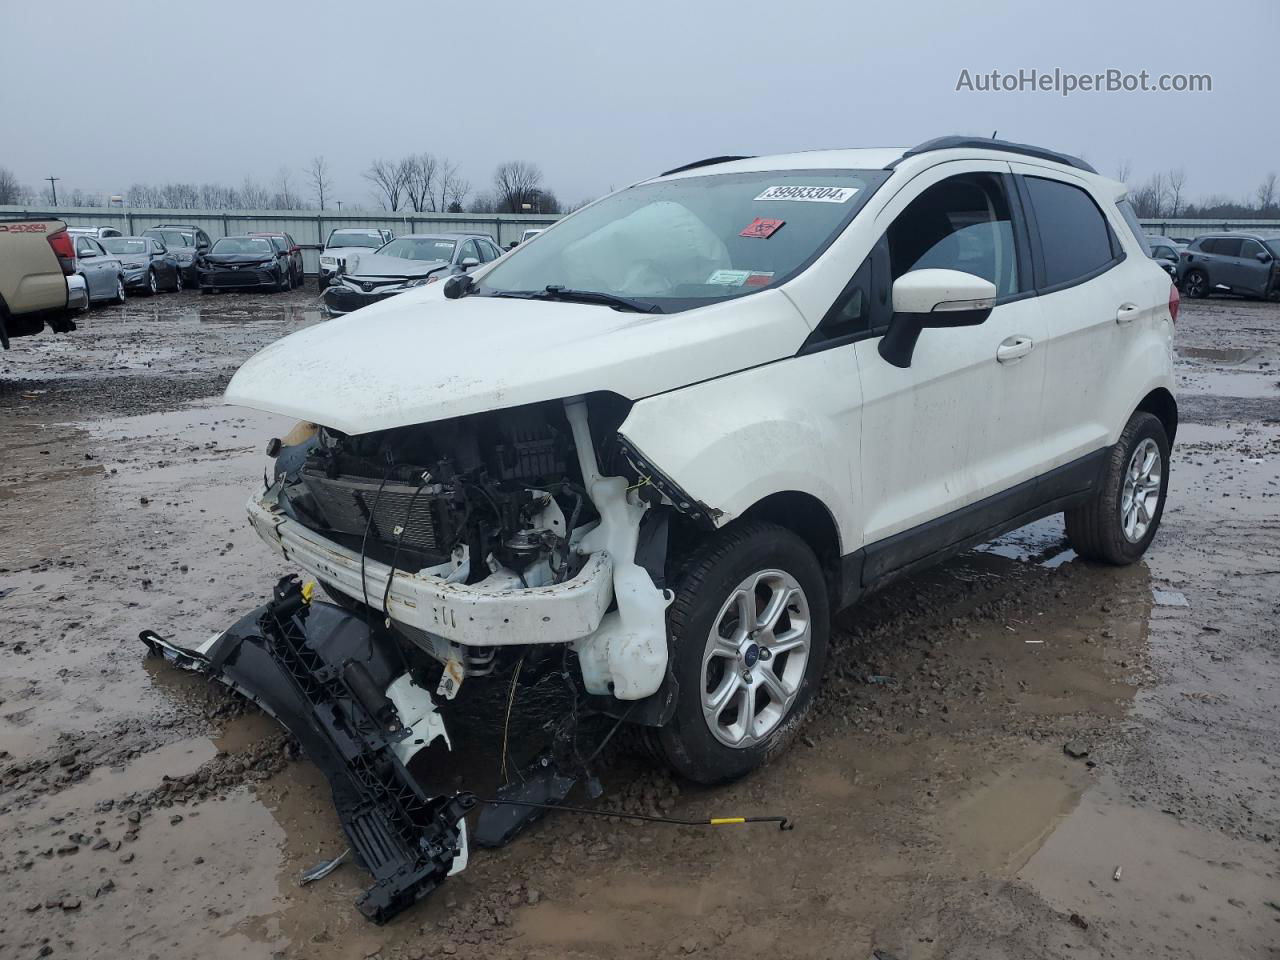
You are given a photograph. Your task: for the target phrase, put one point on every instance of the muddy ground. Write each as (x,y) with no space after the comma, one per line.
(144,814)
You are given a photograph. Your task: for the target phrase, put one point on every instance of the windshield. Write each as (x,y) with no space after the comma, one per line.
(686,242)
(118,245)
(171,238)
(278,243)
(419,248)
(244,246)
(363,239)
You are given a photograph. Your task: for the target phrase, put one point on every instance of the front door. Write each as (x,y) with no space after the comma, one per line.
(962,422)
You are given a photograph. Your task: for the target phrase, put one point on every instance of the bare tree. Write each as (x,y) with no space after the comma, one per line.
(1124,170)
(10,190)
(318,174)
(454,193)
(515,184)
(1177,180)
(420,171)
(1266,193)
(389,180)
(254,196)
(284,197)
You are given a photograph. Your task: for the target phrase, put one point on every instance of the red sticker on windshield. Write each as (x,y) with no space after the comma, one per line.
(762,227)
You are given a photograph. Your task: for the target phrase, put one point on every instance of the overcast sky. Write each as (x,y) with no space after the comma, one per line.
(603,93)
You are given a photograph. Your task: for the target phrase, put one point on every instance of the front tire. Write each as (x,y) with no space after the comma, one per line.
(120,294)
(748,630)
(1120,521)
(153,285)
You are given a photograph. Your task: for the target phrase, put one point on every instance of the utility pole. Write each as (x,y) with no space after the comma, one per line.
(53,185)
(339,203)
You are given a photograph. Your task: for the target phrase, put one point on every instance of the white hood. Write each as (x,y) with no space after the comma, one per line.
(370,264)
(418,357)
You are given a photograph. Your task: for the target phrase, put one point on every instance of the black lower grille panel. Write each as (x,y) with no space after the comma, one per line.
(348,502)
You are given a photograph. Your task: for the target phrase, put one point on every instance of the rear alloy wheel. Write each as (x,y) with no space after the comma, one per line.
(1196,284)
(748,633)
(1120,521)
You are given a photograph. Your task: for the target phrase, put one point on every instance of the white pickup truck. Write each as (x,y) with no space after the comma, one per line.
(38,285)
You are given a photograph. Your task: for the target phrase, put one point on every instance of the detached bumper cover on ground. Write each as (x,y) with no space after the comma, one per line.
(341,691)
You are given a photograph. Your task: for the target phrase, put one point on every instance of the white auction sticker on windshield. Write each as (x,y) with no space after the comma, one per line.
(810,194)
(729,278)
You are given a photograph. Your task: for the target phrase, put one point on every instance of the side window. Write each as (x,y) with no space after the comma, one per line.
(962,223)
(488,252)
(1074,234)
(83,246)
(1131,219)
(1164,252)
(1227,246)
(1250,249)
(1206,246)
(158,247)
(468,250)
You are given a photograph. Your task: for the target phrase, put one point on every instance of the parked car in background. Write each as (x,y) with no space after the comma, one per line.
(38,282)
(333,257)
(406,262)
(148,266)
(243,262)
(186,243)
(1246,264)
(100,233)
(1165,251)
(103,272)
(284,241)
(530,234)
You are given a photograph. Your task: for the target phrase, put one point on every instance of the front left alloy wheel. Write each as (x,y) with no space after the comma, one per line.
(748,633)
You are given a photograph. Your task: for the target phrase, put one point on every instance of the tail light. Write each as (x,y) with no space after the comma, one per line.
(64,249)
(1175,301)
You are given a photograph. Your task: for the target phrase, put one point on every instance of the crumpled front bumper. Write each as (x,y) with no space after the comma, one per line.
(473,615)
(338,687)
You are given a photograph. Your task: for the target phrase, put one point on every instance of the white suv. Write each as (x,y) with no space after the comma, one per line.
(659,448)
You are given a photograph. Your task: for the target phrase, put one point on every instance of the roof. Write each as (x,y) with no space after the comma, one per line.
(875,158)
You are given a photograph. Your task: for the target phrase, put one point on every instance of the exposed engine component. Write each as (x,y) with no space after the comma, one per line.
(479,494)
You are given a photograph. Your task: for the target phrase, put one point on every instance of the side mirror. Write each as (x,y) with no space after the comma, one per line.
(466,263)
(459,285)
(933,298)
(86,254)
(1263,257)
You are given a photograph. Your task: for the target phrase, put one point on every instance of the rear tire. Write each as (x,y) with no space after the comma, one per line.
(1120,521)
(725,732)
(1196,284)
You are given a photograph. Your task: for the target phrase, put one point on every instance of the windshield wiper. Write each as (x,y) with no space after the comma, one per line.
(555,291)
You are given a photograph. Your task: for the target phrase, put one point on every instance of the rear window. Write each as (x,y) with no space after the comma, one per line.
(122,246)
(1073,232)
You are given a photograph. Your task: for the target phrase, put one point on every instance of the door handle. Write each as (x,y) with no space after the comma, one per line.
(1127,313)
(1014,349)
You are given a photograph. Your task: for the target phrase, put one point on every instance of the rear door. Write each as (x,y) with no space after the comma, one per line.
(1095,299)
(91,264)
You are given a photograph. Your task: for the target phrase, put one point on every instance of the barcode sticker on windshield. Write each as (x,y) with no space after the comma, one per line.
(810,194)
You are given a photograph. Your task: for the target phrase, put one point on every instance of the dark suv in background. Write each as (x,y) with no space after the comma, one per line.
(187,243)
(1247,264)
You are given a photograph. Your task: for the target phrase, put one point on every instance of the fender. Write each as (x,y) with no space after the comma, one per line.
(776,428)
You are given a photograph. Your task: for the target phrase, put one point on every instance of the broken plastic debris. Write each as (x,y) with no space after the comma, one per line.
(879,678)
(323,868)
(1116,876)
(1170,598)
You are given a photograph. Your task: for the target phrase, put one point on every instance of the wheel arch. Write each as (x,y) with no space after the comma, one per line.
(1161,404)
(812,521)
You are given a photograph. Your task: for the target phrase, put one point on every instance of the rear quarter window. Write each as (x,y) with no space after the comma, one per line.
(1074,235)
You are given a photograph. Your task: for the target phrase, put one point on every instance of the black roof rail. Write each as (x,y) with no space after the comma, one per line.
(710,161)
(986,143)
